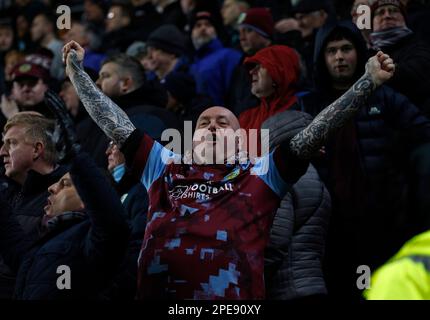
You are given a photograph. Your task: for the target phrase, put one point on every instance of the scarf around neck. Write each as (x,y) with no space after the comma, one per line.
(388,37)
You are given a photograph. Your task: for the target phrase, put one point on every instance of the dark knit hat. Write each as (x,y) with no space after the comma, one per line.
(396,3)
(181,86)
(167,38)
(213,17)
(258,19)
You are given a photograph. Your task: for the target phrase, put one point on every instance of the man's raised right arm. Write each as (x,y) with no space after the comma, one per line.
(106,114)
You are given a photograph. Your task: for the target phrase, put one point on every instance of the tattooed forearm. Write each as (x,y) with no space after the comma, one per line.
(107,115)
(313,137)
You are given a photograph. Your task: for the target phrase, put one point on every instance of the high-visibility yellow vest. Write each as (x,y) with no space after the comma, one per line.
(406,276)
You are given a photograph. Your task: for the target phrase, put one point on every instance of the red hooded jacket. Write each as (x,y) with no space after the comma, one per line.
(283,66)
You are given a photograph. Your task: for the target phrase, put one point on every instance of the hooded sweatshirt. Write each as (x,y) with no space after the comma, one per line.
(282,64)
(366,166)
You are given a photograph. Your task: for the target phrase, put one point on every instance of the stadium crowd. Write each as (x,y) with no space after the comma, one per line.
(87,180)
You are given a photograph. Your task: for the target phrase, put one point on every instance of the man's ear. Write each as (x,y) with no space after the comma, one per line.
(126,84)
(39,148)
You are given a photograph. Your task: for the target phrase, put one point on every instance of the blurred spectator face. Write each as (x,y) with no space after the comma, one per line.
(341,59)
(158,59)
(11,59)
(109,80)
(63,197)
(77,33)
(251,41)
(70,97)
(262,83)
(230,11)
(310,21)
(115,19)
(93,12)
(39,28)
(22,26)
(147,62)
(387,17)
(28,91)
(18,153)
(115,156)
(210,129)
(6,38)
(187,6)
(202,33)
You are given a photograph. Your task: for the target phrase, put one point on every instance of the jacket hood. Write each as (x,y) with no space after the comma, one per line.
(321,77)
(418,245)
(283,65)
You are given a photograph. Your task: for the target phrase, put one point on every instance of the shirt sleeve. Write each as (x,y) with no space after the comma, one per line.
(146,158)
(280,169)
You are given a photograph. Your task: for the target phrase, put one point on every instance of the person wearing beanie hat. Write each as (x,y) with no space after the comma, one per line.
(213,64)
(260,20)
(388,14)
(166,49)
(167,38)
(311,15)
(256,30)
(410,53)
(30,81)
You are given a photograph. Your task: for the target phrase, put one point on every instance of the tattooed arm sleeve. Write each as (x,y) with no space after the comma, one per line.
(307,142)
(107,115)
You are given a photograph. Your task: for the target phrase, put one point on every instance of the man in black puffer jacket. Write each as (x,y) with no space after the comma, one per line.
(295,253)
(376,168)
(85,232)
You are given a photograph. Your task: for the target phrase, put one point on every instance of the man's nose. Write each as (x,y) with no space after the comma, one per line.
(253,70)
(3,151)
(53,188)
(387,14)
(212,126)
(339,55)
(26,87)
